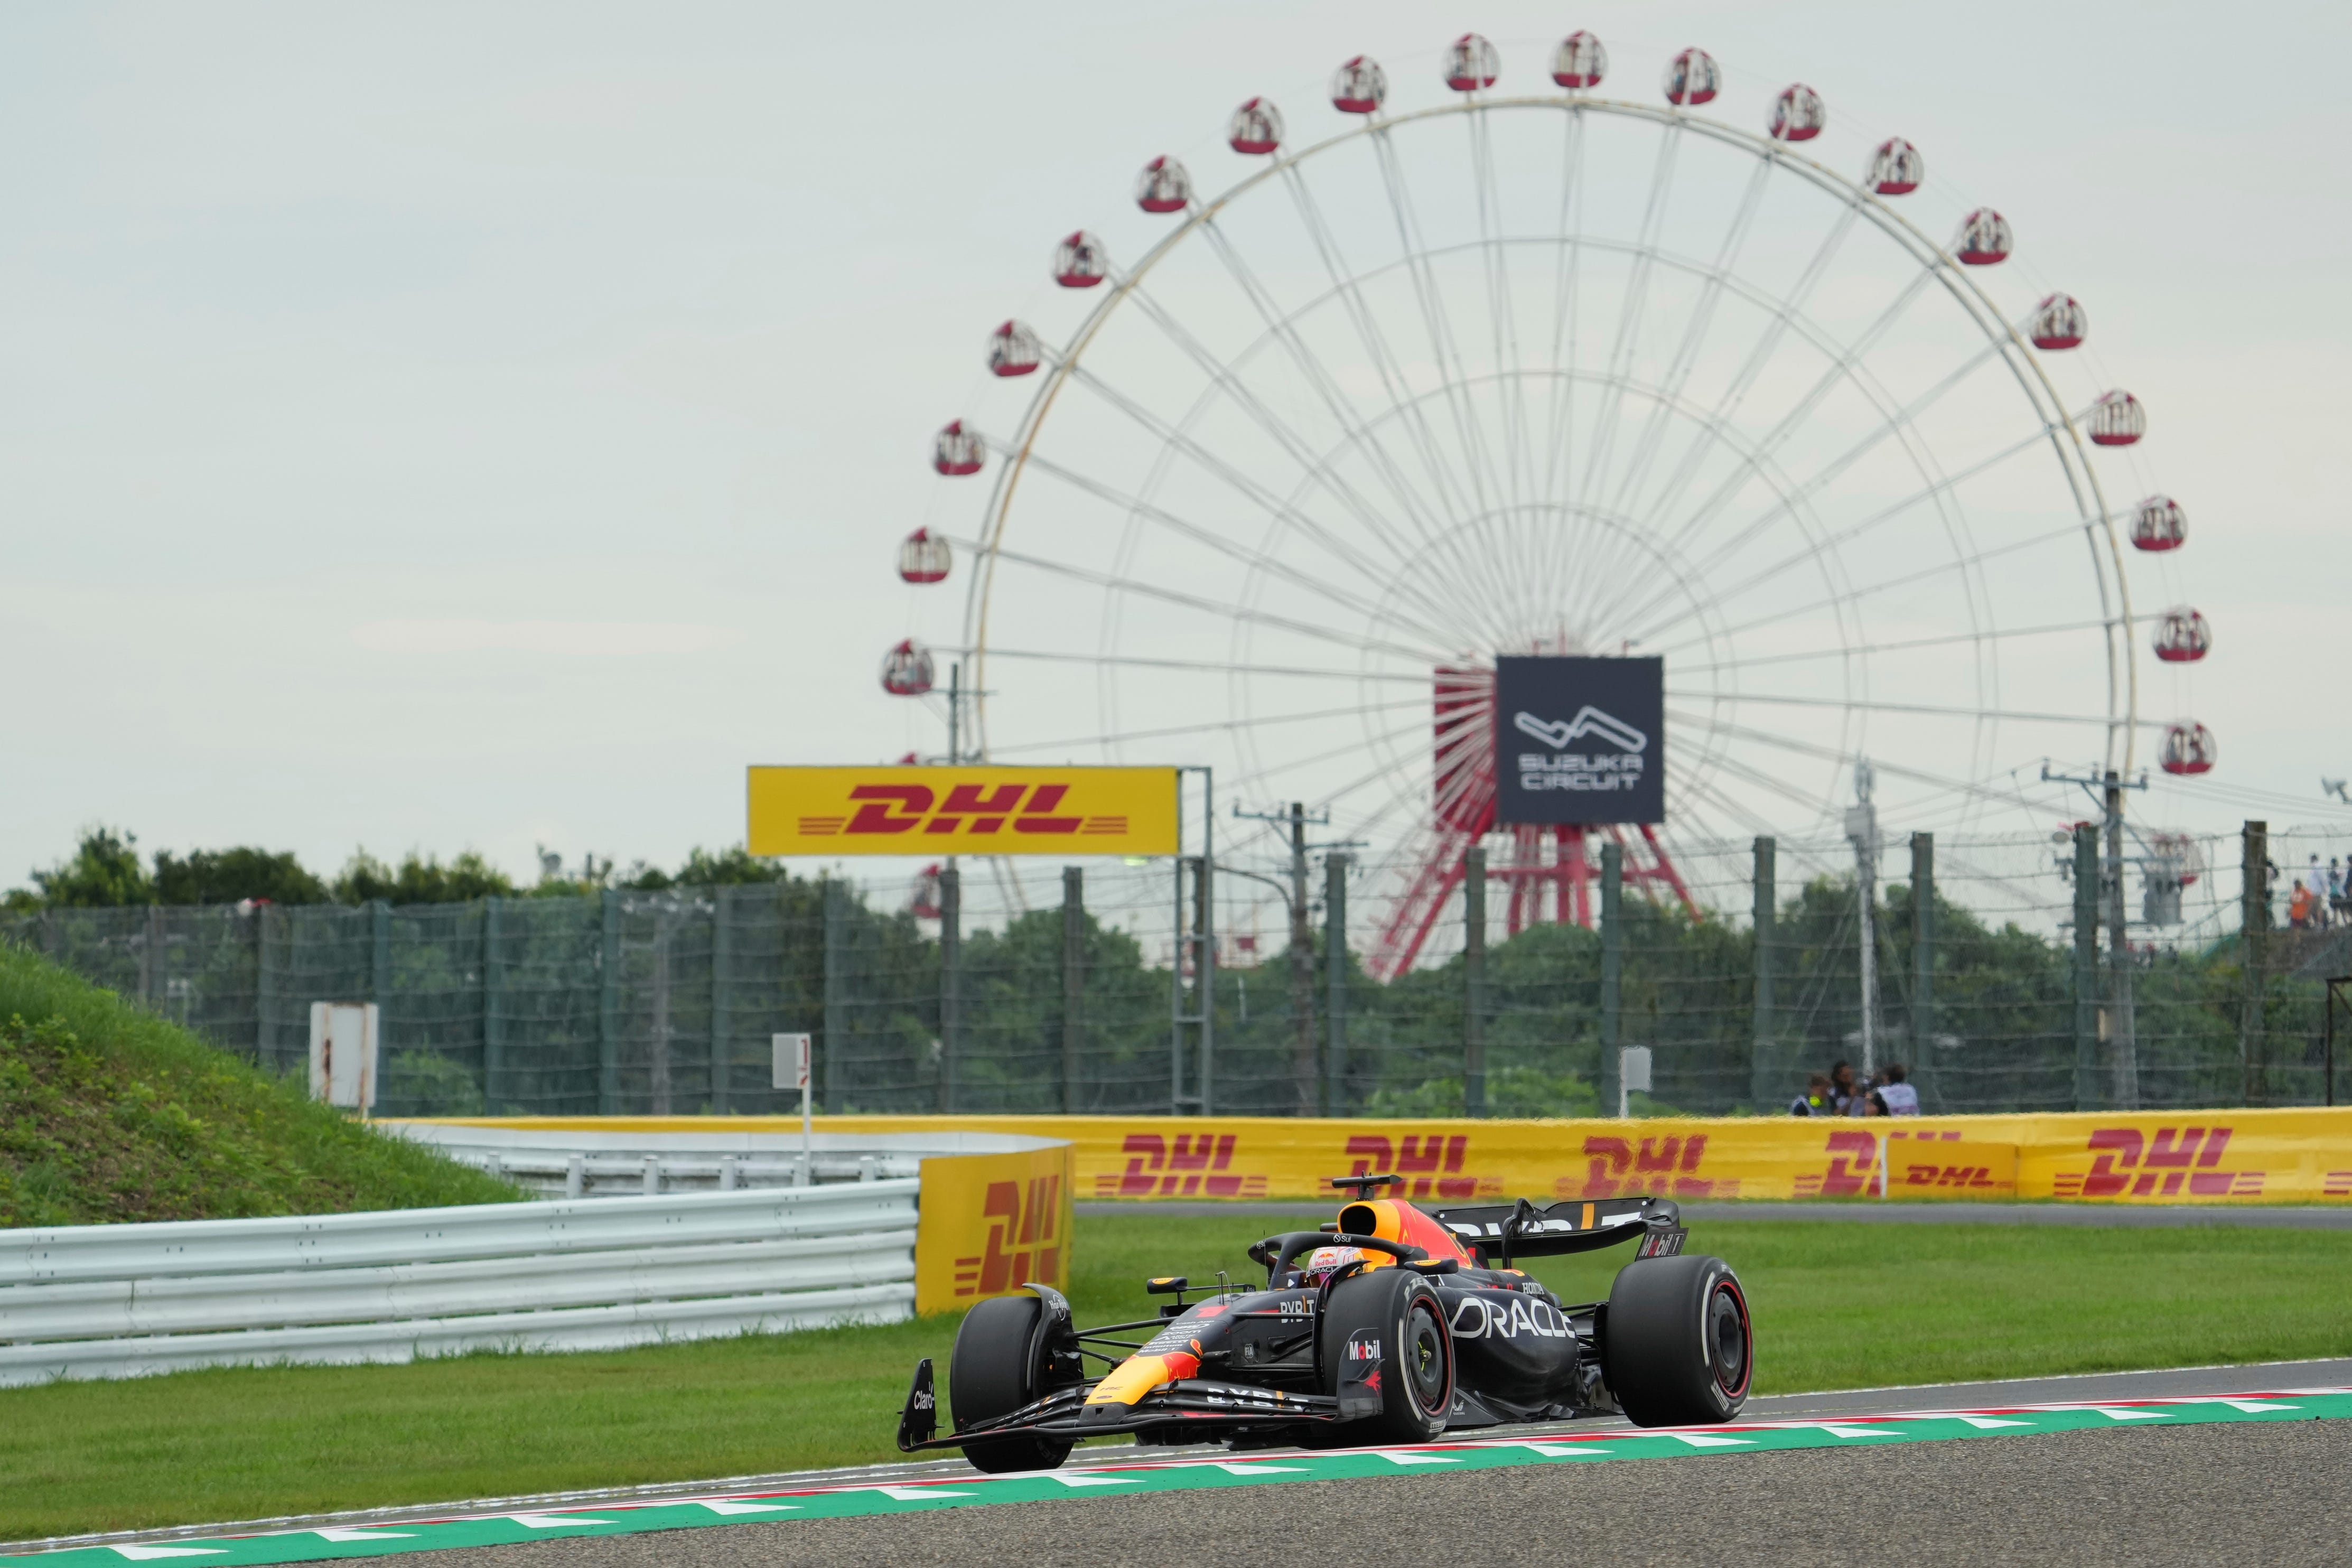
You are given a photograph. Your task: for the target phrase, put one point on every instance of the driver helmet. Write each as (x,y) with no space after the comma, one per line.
(1318,1265)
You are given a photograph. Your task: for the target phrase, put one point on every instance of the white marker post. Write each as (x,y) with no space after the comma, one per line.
(790,1070)
(1632,1073)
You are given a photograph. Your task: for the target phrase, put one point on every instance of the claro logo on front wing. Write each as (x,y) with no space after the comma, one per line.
(969,809)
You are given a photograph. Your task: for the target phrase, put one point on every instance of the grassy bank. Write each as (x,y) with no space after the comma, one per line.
(1835,1306)
(109,1113)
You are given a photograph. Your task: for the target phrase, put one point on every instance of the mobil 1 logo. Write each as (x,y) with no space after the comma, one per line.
(1579,740)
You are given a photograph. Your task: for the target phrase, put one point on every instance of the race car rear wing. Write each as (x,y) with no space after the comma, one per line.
(1498,1233)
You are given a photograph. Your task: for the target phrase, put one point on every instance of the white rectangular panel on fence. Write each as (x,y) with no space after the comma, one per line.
(120,1301)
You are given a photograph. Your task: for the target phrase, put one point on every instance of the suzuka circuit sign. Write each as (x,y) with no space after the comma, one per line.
(962,811)
(1579,740)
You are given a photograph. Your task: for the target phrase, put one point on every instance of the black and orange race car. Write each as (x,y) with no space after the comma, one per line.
(1389,1325)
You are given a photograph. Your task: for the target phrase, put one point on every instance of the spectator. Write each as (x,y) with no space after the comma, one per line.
(2315,878)
(2298,907)
(1895,1096)
(2339,889)
(1842,1090)
(1815,1100)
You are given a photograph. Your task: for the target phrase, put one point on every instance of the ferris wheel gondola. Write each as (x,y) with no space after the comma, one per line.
(1554,374)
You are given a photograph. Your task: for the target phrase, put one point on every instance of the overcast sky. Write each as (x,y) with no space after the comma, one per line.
(486,426)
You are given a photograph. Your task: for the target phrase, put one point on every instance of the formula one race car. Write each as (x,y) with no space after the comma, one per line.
(1391,1325)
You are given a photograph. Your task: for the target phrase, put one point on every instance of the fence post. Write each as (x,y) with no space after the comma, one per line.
(1074,980)
(722,1044)
(2087,967)
(1612,956)
(1923,952)
(264,950)
(837,1008)
(2254,932)
(151,967)
(1761,1066)
(494,1024)
(608,1006)
(1473,981)
(379,958)
(951,966)
(1335,985)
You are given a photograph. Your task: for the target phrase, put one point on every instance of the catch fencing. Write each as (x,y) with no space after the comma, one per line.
(122,1300)
(2002,990)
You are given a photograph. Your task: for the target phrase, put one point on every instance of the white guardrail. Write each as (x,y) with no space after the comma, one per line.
(577,1163)
(121,1300)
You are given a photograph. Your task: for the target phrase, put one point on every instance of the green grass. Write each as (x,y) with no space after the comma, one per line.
(109,1113)
(1836,1305)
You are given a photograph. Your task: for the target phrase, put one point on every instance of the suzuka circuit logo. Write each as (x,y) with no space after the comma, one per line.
(1590,768)
(1581,770)
(969,809)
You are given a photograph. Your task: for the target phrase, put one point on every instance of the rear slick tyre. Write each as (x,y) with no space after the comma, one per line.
(1399,1310)
(1678,1350)
(996,1368)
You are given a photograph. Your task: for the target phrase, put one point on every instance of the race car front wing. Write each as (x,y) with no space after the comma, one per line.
(1064,1413)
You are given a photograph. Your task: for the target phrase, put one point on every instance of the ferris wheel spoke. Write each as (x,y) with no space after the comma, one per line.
(1310,366)
(1778,741)
(1751,580)
(1613,560)
(1695,333)
(2067,535)
(1475,575)
(1334,754)
(1872,705)
(1348,288)
(1567,276)
(1208,538)
(1175,439)
(1629,314)
(1206,665)
(1501,320)
(1227,379)
(1218,726)
(1844,365)
(1777,326)
(1223,610)
(1906,645)
(1469,429)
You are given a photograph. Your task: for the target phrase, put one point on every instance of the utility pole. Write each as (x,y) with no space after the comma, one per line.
(1303,1053)
(2126,1059)
(1861,829)
(2123,1059)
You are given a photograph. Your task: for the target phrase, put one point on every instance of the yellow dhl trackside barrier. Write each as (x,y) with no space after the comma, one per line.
(2175,1157)
(988,1225)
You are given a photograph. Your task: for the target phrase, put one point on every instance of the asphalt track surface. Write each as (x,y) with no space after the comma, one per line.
(2277,1489)
(2127,1215)
(2270,1495)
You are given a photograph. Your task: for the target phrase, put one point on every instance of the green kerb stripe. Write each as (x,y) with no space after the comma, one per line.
(1185,1475)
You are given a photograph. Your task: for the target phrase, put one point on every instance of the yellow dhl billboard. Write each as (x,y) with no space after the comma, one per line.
(886,810)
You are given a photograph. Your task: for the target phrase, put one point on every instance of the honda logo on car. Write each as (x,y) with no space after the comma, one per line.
(963,810)
(1578,740)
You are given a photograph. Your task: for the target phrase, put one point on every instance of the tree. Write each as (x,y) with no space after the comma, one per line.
(420,880)
(233,876)
(102,873)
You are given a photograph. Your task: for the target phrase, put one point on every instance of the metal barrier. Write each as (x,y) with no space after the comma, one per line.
(120,1301)
(583,1160)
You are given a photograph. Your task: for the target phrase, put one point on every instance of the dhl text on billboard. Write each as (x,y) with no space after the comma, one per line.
(962,811)
(2284,1155)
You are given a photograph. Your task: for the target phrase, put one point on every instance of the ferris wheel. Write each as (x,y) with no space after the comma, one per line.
(1513,373)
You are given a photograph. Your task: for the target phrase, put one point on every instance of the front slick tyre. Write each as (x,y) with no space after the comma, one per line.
(1397,1311)
(1679,1350)
(996,1368)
